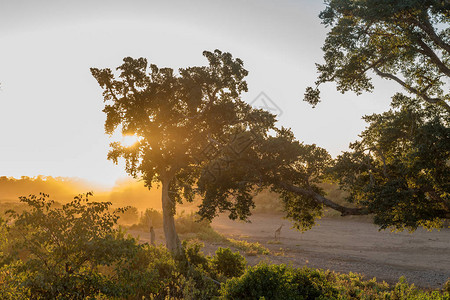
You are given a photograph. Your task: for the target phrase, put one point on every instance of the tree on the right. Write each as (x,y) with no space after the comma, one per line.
(404,41)
(399,169)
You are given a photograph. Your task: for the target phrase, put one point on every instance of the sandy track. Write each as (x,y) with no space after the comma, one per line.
(346,245)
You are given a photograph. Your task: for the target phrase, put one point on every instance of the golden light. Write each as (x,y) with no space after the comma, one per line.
(129,140)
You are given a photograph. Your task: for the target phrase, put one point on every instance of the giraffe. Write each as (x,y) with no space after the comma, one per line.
(278,232)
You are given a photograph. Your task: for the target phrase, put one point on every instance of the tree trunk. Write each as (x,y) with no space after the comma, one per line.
(172,240)
(152,236)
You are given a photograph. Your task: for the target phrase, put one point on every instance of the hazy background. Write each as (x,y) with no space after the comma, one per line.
(51,121)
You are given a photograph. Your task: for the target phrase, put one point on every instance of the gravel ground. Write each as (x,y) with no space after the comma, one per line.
(351,244)
(344,245)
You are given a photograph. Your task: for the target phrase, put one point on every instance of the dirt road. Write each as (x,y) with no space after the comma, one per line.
(346,245)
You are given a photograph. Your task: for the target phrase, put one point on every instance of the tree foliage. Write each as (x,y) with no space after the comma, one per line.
(400,168)
(197,137)
(182,120)
(275,162)
(404,41)
(398,172)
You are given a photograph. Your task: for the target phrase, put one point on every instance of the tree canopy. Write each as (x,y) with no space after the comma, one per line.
(404,41)
(197,137)
(400,168)
(182,120)
(398,171)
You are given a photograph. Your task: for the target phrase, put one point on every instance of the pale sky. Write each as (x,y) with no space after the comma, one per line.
(51,119)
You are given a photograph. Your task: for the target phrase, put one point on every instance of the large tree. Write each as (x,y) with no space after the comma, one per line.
(405,41)
(398,172)
(183,120)
(196,136)
(400,168)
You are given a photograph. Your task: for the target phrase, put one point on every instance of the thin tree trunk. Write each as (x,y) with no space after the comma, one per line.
(152,236)
(172,240)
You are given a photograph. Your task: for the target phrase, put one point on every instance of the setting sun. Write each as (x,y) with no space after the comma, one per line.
(129,140)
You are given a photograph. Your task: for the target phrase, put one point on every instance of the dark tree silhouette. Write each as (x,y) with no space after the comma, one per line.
(399,169)
(198,138)
(404,41)
(182,120)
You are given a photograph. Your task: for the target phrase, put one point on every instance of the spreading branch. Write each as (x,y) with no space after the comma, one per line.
(428,28)
(345,211)
(413,90)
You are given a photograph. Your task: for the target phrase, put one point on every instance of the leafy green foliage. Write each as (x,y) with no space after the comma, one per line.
(404,41)
(117,267)
(181,114)
(279,282)
(194,254)
(228,263)
(197,137)
(265,166)
(400,168)
(61,250)
(74,251)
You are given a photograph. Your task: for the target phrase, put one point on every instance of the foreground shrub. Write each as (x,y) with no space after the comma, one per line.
(194,255)
(278,282)
(227,263)
(68,250)
(75,251)
(148,271)
(281,282)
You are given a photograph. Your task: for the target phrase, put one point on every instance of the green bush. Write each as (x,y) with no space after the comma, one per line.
(149,271)
(281,282)
(227,263)
(278,282)
(76,251)
(194,254)
(68,250)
